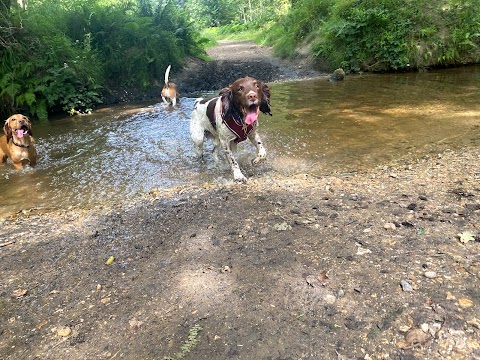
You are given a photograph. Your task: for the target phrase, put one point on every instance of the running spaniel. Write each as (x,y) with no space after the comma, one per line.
(231,118)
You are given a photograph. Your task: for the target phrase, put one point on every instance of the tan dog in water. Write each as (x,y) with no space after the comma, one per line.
(17,142)
(169,91)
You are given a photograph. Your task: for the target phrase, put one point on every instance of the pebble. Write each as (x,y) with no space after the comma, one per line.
(465,303)
(330,299)
(389,226)
(406,285)
(430,274)
(64,332)
(282,227)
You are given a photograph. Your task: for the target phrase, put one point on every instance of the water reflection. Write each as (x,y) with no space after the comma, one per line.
(317,127)
(373,119)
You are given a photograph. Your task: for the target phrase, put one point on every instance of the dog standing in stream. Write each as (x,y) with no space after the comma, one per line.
(17,142)
(169,92)
(230,118)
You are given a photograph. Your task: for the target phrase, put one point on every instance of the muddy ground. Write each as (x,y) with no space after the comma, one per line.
(383,264)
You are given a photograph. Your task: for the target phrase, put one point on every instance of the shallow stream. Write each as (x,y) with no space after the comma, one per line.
(317,127)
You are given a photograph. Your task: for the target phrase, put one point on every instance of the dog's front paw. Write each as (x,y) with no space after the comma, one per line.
(258,160)
(239,177)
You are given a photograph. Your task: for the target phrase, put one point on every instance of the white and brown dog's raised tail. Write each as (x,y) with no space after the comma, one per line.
(169,91)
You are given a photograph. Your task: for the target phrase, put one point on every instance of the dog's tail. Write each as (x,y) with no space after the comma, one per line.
(167,72)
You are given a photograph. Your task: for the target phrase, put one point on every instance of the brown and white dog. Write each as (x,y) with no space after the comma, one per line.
(17,143)
(231,118)
(169,91)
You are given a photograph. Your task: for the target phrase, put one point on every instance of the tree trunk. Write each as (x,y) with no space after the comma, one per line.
(250,10)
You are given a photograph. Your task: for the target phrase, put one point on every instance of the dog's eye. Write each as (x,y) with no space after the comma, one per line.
(240,88)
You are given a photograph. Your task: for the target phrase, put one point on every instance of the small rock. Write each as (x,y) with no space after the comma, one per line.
(412,206)
(330,299)
(424,327)
(282,227)
(408,224)
(389,226)
(430,274)
(295,210)
(406,286)
(363,251)
(404,328)
(416,336)
(19,293)
(465,303)
(450,296)
(474,322)
(338,75)
(64,331)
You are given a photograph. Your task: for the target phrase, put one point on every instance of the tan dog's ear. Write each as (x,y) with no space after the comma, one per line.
(29,126)
(7,130)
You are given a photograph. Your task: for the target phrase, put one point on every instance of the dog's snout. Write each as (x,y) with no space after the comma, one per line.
(252,96)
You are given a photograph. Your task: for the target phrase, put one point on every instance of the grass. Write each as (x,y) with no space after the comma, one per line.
(188,345)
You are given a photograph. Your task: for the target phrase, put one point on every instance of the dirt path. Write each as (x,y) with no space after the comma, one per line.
(232,59)
(377,265)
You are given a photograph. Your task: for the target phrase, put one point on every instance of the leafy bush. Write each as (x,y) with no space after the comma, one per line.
(386,35)
(46,71)
(64,55)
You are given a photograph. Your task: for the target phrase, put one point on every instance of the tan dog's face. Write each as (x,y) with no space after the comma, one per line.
(17,126)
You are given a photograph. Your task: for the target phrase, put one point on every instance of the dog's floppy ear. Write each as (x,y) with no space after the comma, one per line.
(265,103)
(226,95)
(7,130)
(29,126)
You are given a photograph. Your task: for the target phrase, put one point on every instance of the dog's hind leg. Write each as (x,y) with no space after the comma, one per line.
(216,148)
(197,134)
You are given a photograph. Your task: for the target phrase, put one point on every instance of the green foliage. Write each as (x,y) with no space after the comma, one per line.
(188,345)
(63,55)
(374,35)
(366,35)
(224,13)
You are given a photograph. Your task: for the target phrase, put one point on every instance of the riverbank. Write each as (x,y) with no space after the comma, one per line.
(381,264)
(378,265)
